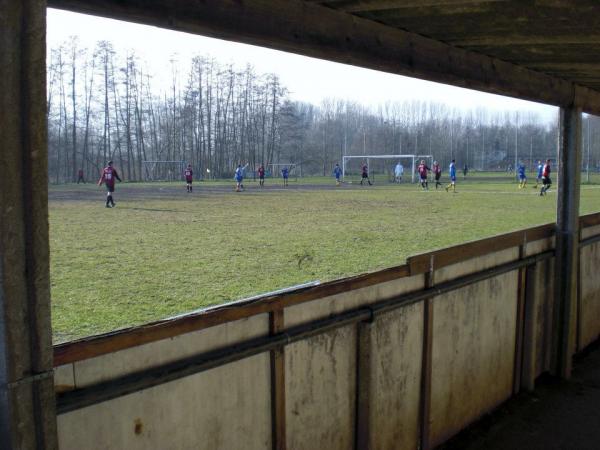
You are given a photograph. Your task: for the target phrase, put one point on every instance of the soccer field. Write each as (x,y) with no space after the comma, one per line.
(162,251)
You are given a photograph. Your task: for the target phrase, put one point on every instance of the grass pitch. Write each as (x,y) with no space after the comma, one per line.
(162,251)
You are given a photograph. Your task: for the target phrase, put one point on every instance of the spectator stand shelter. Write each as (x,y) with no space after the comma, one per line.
(544,51)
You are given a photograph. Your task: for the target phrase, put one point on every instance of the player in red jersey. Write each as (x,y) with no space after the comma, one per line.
(422,169)
(546,181)
(437,172)
(365,175)
(108,178)
(261,176)
(188,173)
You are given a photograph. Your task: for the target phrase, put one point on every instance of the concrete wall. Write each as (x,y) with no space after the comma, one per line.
(475,334)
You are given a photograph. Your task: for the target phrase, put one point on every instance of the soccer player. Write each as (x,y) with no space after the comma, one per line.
(337,172)
(398,172)
(540,170)
(80,176)
(285,173)
(239,178)
(437,172)
(261,176)
(422,169)
(465,171)
(188,173)
(365,175)
(522,175)
(109,173)
(452,171)
(546,181)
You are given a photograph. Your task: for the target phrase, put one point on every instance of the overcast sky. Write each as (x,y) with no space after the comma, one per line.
(308,79)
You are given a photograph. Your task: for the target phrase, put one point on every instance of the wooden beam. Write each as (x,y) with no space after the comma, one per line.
(363,385)
(314,30)
(503,40)
(27,402)
(378,5)
(426,363)
(278,416)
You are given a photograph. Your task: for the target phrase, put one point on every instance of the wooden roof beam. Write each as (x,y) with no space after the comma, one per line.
(314,30)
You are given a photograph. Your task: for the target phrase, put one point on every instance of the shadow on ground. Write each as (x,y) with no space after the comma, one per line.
(559,414)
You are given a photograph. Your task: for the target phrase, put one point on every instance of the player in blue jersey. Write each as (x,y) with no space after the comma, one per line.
(239,177)
(452,171)
(337,173)
(521,173)
(540,171)
(285,173)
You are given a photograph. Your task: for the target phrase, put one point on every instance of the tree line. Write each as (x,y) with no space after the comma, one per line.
(103,104)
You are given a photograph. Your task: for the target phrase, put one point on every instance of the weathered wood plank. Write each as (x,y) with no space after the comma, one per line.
(427,363)
(27,406)
(276,325)
(363,386)
(462,252)
(130,337)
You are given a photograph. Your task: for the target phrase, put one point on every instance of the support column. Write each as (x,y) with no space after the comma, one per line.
(27,399)
(567,237)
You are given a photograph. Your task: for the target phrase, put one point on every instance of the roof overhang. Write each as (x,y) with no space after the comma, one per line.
(384,35)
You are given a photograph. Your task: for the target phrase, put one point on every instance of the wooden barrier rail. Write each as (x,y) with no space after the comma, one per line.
(94,346)
(79,398)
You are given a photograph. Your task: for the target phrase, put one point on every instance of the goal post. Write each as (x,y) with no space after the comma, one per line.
(163,170)
(412,161)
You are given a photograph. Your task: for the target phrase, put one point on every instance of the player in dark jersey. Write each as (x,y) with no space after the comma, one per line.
(546,181)
(261,176)
(437,172)
(189,177)
(337,173)
(109,173)
(80,176)
(285,173)
(365,175)
(422,169)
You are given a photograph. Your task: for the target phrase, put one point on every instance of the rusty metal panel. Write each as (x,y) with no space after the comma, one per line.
(473,353)
(320,387)
(590,294)
(224,408)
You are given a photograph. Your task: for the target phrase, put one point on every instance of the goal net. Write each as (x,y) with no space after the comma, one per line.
(390,168)
(163,170)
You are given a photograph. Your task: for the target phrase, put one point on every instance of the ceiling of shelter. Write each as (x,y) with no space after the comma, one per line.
(557,37)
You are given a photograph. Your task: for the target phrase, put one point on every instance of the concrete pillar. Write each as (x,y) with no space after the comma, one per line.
(567,236)
(27,400)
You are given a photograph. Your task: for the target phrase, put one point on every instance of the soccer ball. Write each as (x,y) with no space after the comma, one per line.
(207,170)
